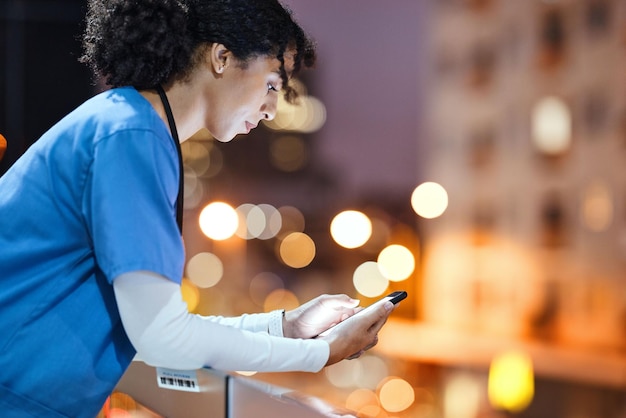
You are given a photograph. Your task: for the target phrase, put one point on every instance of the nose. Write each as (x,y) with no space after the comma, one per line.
(269,108)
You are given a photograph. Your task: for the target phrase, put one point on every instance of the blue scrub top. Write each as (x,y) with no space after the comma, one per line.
(93,198)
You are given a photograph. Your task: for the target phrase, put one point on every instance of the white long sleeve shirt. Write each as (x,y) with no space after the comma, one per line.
(165,334)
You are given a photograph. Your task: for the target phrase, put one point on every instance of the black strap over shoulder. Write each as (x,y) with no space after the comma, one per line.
(181,178)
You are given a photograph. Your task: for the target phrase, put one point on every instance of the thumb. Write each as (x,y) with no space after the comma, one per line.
(380,315)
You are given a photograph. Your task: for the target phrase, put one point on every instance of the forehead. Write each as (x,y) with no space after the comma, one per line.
(271,64)
(262,63)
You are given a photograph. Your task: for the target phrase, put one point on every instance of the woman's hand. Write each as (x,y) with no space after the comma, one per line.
(352,338)
(317,315)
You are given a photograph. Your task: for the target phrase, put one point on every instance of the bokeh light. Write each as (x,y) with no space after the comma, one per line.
(461,396)
(315,115)
(597,206)
(273,221)
(292,220)
(215,302)
(429,200)
(297,250)
(425,401)
(366,372)
(122,401)
(288,153)
(396,262)
(280,299)
(119,413)
(368,280)
(190,294)
(242,223)
(511,381)
(196,156)
(551,126)
(201,160)
(3,146)
(424,410)
(373,370)
(360,399)
(205,269)
(194,189)
(218,221)
(258,221)
(351,228)
(396,394)
(381,233)
(344,374)
(262,285)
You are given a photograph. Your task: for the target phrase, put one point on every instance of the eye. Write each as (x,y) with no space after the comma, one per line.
(271,87)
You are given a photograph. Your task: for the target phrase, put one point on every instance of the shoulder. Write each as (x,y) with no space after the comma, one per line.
(119,108)
(117,113)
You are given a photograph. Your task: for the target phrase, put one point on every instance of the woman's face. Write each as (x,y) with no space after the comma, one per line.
(245,95)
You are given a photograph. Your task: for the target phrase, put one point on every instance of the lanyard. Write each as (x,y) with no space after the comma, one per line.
(181,176)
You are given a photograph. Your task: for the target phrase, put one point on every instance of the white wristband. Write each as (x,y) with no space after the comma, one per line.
(275,326)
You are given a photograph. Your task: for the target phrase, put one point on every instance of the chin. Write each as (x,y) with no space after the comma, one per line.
(241,135)
(225,137)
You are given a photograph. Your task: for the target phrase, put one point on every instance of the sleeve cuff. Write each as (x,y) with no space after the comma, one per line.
(275,324)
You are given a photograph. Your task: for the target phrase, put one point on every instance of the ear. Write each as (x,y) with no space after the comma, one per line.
(220,57)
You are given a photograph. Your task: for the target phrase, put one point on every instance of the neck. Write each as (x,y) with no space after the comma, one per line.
(180,104)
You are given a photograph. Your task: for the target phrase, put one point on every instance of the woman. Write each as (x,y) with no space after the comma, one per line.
(92,256)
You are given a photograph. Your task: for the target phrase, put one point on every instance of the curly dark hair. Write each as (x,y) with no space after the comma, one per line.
(145,43)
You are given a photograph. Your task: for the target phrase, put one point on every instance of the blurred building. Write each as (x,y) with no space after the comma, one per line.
(515,109)
(526,133)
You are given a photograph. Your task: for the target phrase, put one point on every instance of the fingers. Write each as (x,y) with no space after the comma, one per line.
(356,336)
(361,352)
(383,314)
(372,344)
(339,301)
(341,307)
(356,355)
(377,316)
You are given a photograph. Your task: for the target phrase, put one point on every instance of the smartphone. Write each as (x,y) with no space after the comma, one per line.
(394,298)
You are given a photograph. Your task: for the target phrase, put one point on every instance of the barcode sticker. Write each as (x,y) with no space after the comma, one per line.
(185,380)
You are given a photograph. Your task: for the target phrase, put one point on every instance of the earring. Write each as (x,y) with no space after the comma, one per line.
(221,69)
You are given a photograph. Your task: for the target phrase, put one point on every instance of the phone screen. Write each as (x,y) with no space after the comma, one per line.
(394,298)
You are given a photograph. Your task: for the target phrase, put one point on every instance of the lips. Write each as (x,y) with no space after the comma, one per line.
(249,126)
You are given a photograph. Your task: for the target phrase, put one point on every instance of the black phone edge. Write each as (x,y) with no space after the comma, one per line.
(397,296)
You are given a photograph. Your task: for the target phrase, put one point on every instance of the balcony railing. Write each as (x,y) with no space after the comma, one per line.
(148,392)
